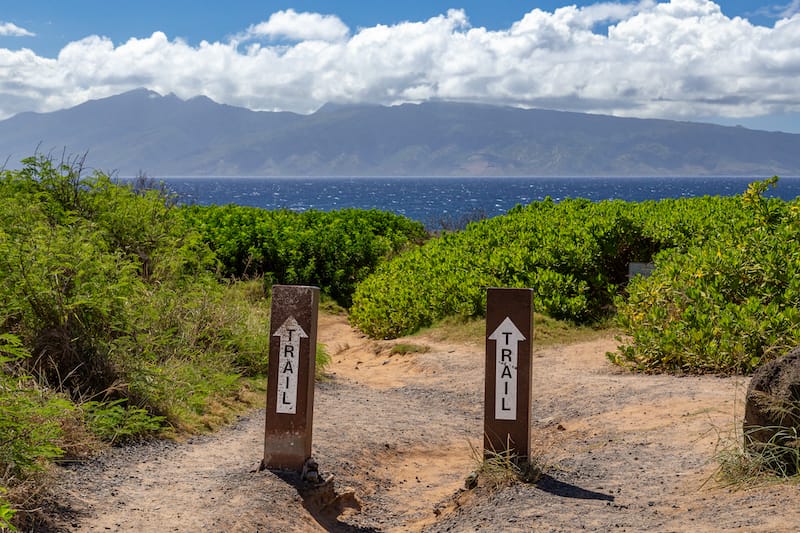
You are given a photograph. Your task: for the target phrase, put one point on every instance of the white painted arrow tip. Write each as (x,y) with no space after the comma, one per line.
(507,326)
(289,323)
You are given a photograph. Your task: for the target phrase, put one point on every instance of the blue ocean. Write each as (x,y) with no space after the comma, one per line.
(434,201)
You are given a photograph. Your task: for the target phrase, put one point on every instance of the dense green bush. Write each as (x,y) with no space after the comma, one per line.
(333,250)
(100,280)
(573,253)
(726,304)
(684,222)
(111,314)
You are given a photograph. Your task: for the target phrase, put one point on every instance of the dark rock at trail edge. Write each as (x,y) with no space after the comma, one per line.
(772,413)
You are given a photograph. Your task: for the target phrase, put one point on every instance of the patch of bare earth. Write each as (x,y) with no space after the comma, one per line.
(627,452)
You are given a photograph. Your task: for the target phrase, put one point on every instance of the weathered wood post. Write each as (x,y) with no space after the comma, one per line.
(290,379)
(509,347)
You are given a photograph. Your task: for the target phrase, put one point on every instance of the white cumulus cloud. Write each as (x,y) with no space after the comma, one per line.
(295,26)
(680,59)
(9,29)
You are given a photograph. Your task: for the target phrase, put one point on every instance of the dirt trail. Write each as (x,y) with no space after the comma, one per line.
(625,451)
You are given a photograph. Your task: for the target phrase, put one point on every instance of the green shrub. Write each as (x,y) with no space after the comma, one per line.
(727,304)
(115,422)
(116,297)
(333,250)
(68,293)
(574,254)
(111,301)
(30,420)
(6,513)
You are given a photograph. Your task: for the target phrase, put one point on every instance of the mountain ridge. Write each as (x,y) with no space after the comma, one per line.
(164,135)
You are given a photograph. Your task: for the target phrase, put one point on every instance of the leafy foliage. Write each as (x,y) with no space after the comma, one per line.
(111,313)
(724,297)
(333,250)
(29,425)
(93,272)
(574,254)
(727,304)
(114,423)
(6,513)
(30,428)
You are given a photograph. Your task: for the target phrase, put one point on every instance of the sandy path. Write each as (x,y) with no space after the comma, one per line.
(626,451)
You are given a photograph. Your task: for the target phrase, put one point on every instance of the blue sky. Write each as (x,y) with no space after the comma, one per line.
(732,62)
(56,22)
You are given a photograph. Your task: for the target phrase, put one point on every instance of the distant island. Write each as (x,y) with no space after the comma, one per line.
(162,136)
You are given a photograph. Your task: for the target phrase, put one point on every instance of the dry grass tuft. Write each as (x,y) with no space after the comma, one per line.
(501,468)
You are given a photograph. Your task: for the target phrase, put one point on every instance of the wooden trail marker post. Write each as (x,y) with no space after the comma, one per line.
(290,378)
(509,347)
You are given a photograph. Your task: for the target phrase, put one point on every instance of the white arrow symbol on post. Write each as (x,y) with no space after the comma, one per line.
(507,338)
(290,334)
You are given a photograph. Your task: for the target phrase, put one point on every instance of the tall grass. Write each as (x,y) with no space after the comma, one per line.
(114,321)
